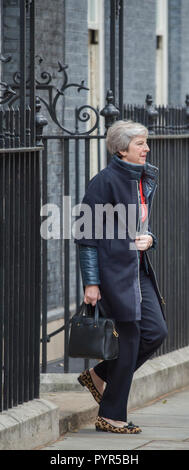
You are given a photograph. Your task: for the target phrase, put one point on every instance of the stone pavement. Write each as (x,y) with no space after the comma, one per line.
(164,423)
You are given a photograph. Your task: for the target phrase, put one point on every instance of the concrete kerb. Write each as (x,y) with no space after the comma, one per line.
(65,405)
(29,425)
(157,377)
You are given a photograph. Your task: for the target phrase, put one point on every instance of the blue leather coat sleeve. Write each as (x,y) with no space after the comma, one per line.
(88,256)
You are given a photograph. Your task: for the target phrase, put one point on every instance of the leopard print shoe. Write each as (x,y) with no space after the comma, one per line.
(86,381)
(102,425)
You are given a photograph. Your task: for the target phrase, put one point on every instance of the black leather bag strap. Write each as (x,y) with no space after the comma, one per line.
(83,309)
(87,309)
(101,308)
(96,313)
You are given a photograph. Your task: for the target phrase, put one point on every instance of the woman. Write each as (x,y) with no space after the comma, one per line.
(118,271)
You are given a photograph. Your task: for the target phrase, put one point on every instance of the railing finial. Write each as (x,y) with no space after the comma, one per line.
(110,112)
(40,121)
(152,113)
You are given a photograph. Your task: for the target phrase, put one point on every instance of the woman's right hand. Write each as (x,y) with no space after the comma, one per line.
(92,294)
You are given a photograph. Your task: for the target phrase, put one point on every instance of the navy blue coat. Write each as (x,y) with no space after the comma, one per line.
(118,265)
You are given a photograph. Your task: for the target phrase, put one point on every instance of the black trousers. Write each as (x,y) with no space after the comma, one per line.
(137,342)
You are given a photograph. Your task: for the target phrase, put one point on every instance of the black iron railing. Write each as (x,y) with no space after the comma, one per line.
(160,120)
(20,241)
(170,221)
(19,275)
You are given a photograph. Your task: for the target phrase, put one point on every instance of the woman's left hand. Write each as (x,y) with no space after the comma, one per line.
(143,242)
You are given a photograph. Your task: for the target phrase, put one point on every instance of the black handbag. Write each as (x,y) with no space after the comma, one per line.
(92,334)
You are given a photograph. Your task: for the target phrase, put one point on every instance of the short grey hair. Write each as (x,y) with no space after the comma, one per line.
(121,133)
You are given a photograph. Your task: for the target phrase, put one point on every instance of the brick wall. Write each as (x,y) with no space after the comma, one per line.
(178,51)
(174,35)
(10,38)
(139,49)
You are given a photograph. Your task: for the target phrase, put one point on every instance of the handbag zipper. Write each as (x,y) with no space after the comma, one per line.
(115,333)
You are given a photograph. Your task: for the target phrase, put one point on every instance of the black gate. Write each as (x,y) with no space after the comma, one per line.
(20,246)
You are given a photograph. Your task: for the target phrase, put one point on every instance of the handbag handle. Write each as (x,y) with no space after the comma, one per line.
(97,310)
(82,309)
(101,308)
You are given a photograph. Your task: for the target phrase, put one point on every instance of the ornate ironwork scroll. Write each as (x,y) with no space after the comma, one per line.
(9,94)
(82,114)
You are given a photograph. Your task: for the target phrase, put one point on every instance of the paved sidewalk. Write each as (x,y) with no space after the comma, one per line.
(164,423)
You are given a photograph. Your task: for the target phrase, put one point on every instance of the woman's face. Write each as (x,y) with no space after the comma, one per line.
(137,151)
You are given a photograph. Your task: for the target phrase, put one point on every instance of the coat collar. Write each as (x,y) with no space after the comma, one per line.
(134,171)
